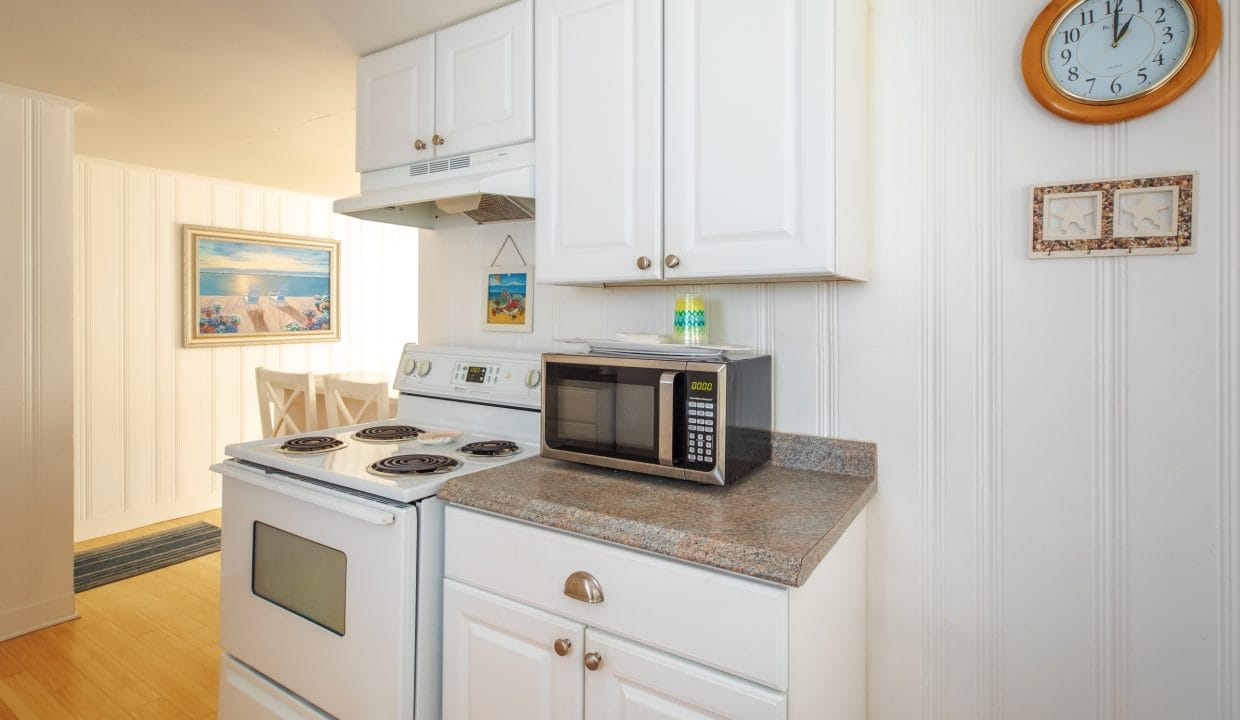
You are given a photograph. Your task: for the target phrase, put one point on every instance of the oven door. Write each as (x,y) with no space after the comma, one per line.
(616,412)
(318,591)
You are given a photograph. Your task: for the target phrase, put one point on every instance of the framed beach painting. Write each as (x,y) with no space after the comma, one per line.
(250,288)
(508,299)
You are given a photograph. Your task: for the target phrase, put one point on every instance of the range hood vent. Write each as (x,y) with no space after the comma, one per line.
(488,186)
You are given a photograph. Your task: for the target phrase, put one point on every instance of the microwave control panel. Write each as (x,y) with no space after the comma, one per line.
(700,420)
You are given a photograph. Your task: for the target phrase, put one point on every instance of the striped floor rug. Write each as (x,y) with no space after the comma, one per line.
(92,568)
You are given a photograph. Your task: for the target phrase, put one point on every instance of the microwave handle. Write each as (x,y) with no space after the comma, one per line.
(667,414)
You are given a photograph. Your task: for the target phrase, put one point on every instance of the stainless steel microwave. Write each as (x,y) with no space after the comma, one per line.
(704,421)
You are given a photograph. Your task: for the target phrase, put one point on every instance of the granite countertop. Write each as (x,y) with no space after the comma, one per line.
(776,524)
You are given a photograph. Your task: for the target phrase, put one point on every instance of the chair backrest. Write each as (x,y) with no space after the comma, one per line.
(252,297)
(286,402)
(349,402)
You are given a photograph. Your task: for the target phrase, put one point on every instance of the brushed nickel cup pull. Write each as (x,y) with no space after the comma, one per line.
(562,646)
(582,586)
(419,145)
(671,261)
(437,139)
(593,661)
(643,263)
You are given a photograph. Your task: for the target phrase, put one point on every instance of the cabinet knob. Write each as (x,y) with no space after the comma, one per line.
(593,661)
(582,586)
(562,646)
(643,263)
(437,139)
(671,261)
(419,145)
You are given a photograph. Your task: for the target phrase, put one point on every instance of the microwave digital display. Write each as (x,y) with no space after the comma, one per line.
(475,374)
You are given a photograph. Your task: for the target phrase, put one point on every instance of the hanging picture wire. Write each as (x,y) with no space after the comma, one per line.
(507,239)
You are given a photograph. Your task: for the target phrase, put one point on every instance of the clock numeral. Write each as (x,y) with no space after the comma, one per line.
(1091,82)
(1066,54)
(1090,21)
(1071,36)
(1074,74)
(1161,17)
(1116,87)
(1142,78)
(1160,59)
(1119,6)
(1168,36)
(1140,6)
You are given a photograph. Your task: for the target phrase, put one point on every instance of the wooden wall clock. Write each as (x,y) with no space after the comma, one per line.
(1101,61)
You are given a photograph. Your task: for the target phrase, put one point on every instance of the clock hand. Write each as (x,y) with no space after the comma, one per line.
(1124,29)
(1115,26)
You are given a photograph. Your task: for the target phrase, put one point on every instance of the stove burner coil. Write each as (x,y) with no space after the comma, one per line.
(387,433)
(310,445)
(401,465)
(490,448)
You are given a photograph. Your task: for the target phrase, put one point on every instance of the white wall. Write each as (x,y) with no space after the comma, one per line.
(151,415)
(1055,532)
(36,364)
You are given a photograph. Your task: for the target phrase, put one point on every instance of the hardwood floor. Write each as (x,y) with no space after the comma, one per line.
(146,647)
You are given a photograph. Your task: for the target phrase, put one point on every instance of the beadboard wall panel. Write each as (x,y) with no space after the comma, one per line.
(1054,533)
(153,416)
(36,366)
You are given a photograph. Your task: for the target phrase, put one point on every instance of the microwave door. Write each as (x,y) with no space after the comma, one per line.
(604,410)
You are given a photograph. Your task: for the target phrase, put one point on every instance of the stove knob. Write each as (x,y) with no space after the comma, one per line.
(424,368)
(533,378)
(408,366)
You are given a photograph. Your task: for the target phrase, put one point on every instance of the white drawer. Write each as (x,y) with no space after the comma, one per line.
(737,625)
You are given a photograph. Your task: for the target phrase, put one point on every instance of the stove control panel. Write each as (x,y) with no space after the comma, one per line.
(471,374)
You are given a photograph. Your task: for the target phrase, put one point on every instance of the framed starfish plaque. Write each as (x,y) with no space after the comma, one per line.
(1117,216)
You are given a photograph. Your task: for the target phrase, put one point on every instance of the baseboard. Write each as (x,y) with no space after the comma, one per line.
(36,617)
(91,528)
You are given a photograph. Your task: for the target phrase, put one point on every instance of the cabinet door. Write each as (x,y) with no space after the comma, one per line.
(634,682)
(395,105)
(599,155)
(500,659)
(484,70)
(748,124)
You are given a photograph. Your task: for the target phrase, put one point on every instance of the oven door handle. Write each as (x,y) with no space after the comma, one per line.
(327,502)
(667,411)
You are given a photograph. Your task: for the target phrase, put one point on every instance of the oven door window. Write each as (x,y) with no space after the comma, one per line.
(300,575)
(609,411)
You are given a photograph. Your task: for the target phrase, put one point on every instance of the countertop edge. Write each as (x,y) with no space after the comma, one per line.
(815,556)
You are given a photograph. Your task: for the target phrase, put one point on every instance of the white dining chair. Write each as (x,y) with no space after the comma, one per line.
(349,402)
(286,402)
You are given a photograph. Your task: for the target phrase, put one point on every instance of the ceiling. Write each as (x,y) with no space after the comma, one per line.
(257,91)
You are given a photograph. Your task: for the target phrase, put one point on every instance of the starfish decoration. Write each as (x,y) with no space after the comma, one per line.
(1148,209)
(1072,213)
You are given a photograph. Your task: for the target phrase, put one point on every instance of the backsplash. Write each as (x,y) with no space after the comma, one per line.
(792,321)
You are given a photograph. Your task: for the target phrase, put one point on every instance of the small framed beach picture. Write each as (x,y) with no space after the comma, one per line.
(508,301)
(250,288)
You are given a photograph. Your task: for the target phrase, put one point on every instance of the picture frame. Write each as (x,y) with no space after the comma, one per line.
(1151,215)
(507,299)
(254,288)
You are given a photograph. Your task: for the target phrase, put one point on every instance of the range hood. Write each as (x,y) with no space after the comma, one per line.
(486,186)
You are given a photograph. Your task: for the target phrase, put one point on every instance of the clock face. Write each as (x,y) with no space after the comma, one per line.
(1109,51)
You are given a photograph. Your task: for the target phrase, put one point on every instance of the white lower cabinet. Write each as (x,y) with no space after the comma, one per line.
(633,682)
(505,659)
(544,624)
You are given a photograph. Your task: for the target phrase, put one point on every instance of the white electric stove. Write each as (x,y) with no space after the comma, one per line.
(332,564)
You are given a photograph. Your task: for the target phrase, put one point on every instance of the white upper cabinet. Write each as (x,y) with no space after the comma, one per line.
(599,96)
(468,87)
(762,141)
(396,105)
(484,80)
